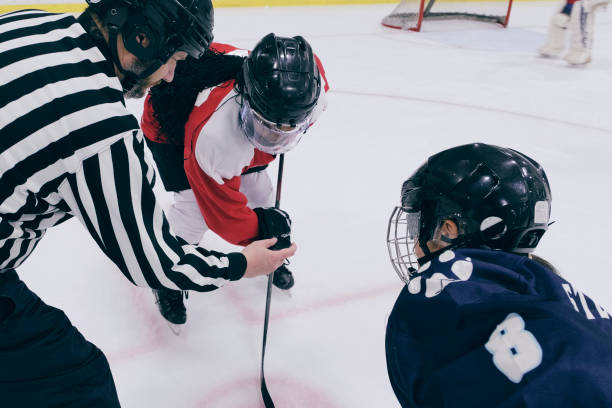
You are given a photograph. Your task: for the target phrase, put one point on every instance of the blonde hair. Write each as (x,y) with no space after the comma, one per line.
(544,262)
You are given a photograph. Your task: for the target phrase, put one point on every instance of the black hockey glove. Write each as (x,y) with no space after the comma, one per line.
(274,222)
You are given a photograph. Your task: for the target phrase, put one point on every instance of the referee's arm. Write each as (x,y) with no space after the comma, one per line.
(112,195)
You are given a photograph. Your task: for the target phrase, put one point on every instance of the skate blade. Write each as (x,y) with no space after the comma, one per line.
(176,328)
(578,65)
(549,56)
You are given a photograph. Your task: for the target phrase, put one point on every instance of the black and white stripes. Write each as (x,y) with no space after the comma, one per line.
(69,147)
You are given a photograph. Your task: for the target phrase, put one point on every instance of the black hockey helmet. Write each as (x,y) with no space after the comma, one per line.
(281,79)
(499,199)
(170,26)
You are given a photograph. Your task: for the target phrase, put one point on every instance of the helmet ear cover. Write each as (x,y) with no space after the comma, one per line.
(131,33)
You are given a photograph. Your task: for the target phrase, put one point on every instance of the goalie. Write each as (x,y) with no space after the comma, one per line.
(577,18)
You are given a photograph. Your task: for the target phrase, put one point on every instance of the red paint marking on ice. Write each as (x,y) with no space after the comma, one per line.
(246,309)
(476,107)
(158,332)
(245,393)
(156,337)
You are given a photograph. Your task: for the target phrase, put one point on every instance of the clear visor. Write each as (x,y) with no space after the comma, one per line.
(402,236)
(267,136)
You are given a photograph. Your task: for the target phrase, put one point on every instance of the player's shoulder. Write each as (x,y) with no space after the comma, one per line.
(211,99)
(476,282)
(457,270)
(222,150)
(228,49)
(325,83)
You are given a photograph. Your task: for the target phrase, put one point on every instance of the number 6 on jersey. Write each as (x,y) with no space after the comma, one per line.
(515,350)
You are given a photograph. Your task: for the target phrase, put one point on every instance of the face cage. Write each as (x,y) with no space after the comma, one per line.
(402,236)
(268,136)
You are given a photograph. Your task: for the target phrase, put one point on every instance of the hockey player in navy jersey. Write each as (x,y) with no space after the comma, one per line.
(481,321)
(215,129)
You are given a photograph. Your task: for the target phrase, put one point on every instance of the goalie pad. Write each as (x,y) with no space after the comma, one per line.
(557,31)
(595,5)
(580,35)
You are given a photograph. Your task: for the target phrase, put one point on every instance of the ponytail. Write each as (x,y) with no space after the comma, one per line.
(173,102)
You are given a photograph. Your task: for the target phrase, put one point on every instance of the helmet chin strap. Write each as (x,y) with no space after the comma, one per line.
(466,240)
(428,255)
(454,243)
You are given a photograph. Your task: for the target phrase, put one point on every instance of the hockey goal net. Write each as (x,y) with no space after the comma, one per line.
(409,14)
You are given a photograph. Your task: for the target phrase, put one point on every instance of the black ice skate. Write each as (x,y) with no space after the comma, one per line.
(283,278)
(171,307)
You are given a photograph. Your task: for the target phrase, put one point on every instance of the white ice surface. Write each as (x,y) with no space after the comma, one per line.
(397,97)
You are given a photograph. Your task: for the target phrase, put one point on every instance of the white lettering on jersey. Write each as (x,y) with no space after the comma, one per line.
(568,290)
(571,294)
(515,350)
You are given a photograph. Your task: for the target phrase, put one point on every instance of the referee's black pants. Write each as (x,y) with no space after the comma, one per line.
(44,361)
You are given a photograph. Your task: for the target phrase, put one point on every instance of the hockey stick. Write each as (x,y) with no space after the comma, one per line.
(264,388)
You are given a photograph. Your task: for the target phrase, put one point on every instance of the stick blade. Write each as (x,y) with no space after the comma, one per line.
(266,395)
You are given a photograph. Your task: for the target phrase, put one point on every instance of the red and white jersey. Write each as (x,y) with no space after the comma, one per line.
(217,153)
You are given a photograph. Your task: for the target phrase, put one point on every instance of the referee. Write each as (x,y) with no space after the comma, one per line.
(70,148)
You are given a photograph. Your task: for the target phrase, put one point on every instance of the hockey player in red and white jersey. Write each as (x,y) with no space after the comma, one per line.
(213,132)
(575,19)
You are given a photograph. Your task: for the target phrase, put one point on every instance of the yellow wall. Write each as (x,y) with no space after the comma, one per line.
(65,7)
(70,6)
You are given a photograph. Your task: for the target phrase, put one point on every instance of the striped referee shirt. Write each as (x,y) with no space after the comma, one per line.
(70,148)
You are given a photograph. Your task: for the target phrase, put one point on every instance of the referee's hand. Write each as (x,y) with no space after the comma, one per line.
(263,261)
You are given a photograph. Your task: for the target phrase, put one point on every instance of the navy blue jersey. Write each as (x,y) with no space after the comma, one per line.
(481,328)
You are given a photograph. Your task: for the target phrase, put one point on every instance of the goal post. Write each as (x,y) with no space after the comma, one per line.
(409,14)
